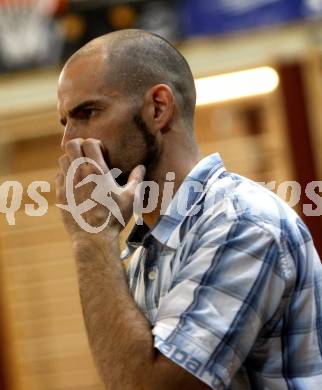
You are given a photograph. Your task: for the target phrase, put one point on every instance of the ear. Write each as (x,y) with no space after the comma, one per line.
(158,108)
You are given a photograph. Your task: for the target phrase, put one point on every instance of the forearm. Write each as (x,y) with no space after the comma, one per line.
(119,334)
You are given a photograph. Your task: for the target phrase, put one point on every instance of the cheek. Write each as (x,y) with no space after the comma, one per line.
(122,139)
(106,133)
(131,150)
(115,141)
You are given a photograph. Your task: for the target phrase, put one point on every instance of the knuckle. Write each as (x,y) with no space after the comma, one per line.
(72,143)
(94,140)
(86,142)
(90,142)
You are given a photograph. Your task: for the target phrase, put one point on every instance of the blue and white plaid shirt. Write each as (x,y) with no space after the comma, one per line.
(232,288)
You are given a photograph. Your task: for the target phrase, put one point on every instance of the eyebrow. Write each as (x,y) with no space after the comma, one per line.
(83,105)
(80,107)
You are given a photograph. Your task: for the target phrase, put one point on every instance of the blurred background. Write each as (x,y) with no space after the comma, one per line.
(258,70)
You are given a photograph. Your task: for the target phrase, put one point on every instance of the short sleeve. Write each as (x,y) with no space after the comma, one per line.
(228,286)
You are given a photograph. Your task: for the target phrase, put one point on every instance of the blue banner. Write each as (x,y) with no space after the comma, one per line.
(221,16)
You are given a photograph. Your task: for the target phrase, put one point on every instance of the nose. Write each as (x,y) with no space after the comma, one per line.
(70,132)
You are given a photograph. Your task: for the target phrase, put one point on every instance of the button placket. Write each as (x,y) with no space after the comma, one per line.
(152,275)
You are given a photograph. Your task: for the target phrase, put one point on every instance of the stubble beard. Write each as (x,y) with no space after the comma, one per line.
(152,149)
(151,154)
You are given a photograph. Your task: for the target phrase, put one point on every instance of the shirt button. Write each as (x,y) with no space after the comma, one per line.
(152,275)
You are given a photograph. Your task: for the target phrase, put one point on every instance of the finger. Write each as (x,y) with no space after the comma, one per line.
(73,149)
(92,149)
(60,188)
(136,176)
(64,163)
(60,179)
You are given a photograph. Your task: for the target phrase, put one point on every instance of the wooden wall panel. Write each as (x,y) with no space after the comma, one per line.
(261,154)
(50,339)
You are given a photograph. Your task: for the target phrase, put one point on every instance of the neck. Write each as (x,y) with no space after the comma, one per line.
(179,155)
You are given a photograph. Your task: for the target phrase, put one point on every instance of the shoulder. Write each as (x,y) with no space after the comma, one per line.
(241,214)
(233,198)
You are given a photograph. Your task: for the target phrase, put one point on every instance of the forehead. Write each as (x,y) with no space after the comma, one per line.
(83,77)
(82,72)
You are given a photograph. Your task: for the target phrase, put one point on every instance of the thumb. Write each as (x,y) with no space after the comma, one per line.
(136,176)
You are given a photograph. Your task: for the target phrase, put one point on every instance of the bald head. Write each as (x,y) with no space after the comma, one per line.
(137,60)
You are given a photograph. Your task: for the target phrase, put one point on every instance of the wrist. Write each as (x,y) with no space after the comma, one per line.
(105,240)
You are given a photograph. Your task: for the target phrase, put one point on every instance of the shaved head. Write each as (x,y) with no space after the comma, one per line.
(137,60)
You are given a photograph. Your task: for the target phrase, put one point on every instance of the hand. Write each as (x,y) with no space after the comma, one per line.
(113,203)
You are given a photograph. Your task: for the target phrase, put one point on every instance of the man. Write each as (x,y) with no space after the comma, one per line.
(225,294)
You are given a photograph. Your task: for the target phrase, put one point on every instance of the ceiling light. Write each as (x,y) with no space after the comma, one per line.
(236,85)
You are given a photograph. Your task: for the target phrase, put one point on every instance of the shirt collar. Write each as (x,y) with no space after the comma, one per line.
(206,170)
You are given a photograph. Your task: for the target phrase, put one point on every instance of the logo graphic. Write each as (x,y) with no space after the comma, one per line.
(102,194)
(146,199)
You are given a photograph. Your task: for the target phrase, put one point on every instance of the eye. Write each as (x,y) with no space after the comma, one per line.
(86,113)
